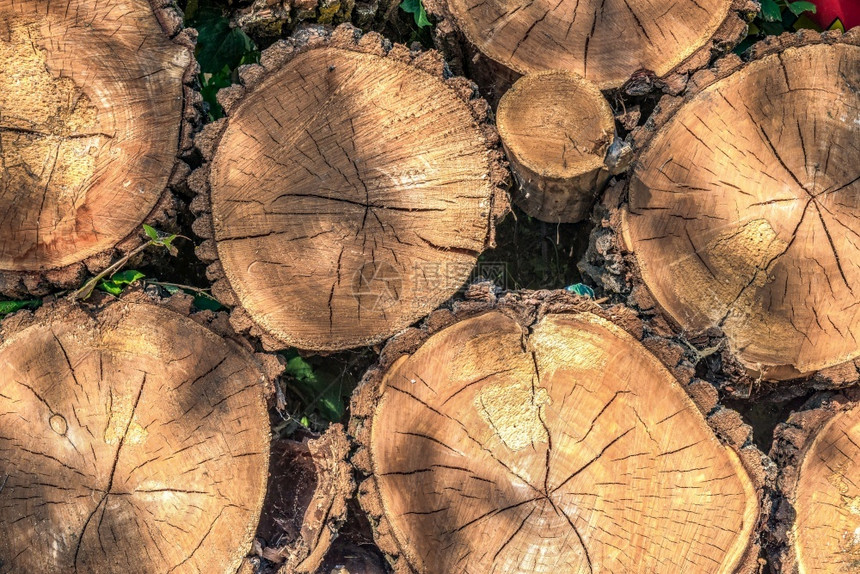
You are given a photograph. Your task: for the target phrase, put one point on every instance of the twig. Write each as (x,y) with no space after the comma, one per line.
(204,292)
(156,238)
(87,290)
(4,482)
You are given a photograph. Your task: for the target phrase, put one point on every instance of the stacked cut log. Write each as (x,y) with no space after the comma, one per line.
(817,526)
(132,439)
(634,48)
(348,192)
(742,212)
(95,105)
(609,43)
(557,130)
(533,434)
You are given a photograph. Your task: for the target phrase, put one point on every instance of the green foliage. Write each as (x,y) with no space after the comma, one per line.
(7,307)
(776,17)
(798,8)
(416,8)
(770,11)
(202,300)
(115,284)
(119,280)
(161,239)
(220,50)
(321,383)
(206,302)
(150,232)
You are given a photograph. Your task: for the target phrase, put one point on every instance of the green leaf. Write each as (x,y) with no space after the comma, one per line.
(770,11)
(416,8)
(210,84)
(206,303)
(298,368)
(805,22)
(321,386)
(331,406)
(798,8)
(110,287)
(220,50)
(127,277)
(218,44)
(7,307)
(581,289)
(171,289)
(151,232)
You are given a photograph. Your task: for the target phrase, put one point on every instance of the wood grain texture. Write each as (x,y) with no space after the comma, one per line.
(569,448)
(351,194)
(743,211)
(605,41)
(134,441)
(556,128)
(91,100)
(826,532)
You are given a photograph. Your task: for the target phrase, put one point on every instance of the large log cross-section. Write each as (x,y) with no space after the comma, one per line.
(744,211)
(565,448)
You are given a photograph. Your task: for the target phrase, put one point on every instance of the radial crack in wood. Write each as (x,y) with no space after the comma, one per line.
(132,441)
(556,128)
(91,102)
(743,211)
(604,41)
(568,447)
(351,193)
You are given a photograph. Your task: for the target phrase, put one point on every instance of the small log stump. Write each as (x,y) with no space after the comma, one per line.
(351,192)
(606,42)
(92,100)
(538,436)
(818,524)
(743,214)
(556,128)
(132,439)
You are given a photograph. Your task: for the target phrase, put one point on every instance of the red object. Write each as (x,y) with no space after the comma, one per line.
(846,11)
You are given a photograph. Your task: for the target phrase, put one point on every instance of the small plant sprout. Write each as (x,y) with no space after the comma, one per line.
(114,285)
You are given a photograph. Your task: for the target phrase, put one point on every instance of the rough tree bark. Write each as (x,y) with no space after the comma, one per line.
(132,439)
(556,128)
(268,20)
(310,482)
(95,104)
(351,191)
(742,215)
(533,434)
(817,526)
(606,42)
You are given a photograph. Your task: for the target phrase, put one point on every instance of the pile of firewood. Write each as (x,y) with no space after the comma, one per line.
(342,202)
